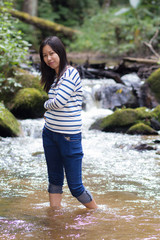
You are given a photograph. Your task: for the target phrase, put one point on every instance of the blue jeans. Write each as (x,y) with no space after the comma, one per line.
(64,153)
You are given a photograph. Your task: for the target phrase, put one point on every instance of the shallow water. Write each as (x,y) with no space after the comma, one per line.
(124,182)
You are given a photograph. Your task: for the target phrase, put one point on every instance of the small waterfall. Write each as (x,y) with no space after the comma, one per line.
(90,88)
(106,93)
(32,127)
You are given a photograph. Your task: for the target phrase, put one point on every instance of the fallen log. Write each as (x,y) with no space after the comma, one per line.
(95,73)
(43,23)
(141,60)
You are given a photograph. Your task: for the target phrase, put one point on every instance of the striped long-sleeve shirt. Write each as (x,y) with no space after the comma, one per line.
(64,106)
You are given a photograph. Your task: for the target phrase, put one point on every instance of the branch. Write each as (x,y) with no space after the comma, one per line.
(149,45)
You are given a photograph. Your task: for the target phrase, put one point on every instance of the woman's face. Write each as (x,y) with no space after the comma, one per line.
(51,58)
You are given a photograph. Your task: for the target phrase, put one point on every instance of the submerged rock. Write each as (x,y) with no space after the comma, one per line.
(9,126)
(144,146)
(28,103)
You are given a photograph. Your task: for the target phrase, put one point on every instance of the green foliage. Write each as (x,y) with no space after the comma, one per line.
(119,29)
(13,49)
(19,78)
(45,10)
(73,12)
(115,33)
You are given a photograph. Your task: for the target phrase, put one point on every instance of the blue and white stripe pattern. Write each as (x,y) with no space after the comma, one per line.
(64,106)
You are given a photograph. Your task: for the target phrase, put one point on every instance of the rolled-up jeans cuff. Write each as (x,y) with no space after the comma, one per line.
(85,197)
(54,188)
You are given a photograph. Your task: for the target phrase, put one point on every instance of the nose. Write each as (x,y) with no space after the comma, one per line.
(48,57)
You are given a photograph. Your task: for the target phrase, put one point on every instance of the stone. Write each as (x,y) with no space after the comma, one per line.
(28,103)
(9,126)
(141,129)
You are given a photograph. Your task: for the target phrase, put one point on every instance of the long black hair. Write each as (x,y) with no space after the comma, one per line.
(48,75)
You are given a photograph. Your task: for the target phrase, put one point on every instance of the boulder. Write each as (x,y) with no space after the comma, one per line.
(117,95)
(156,111)
(9,126)
(154,83)
(150,90)
(27,79)
(17,79)
(123,119)
(141,129)
(28,103)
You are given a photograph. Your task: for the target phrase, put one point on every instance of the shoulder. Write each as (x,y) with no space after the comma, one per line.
(72,73)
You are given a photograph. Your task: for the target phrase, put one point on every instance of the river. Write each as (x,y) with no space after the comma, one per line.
(124,182)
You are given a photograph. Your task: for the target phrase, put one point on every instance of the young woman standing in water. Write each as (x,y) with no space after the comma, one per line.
(62,130)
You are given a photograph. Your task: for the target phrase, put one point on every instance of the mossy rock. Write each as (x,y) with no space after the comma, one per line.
(9,126)
(154,83)
(28,103)
(27,79)
(18,79)
(141,129)
(122,119)
(156,111)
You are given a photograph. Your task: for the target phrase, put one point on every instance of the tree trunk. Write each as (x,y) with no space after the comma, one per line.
(106,3)
(30,7)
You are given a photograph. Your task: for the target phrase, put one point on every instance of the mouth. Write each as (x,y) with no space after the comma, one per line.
(50,63)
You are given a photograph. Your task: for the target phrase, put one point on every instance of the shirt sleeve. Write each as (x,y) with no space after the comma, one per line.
(64,93)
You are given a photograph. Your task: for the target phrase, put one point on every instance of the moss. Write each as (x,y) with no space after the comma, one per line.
(28,103)
(122,119)
(9,126)
(19,78)
(44,24)
(141,129)
(26,79)
(154,83)
(144,112)
(156,112)
(126,117)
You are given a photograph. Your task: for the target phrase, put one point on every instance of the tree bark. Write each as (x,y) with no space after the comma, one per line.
(44,24)
(30,7)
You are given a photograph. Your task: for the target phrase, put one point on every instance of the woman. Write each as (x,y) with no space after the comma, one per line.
(62,130)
